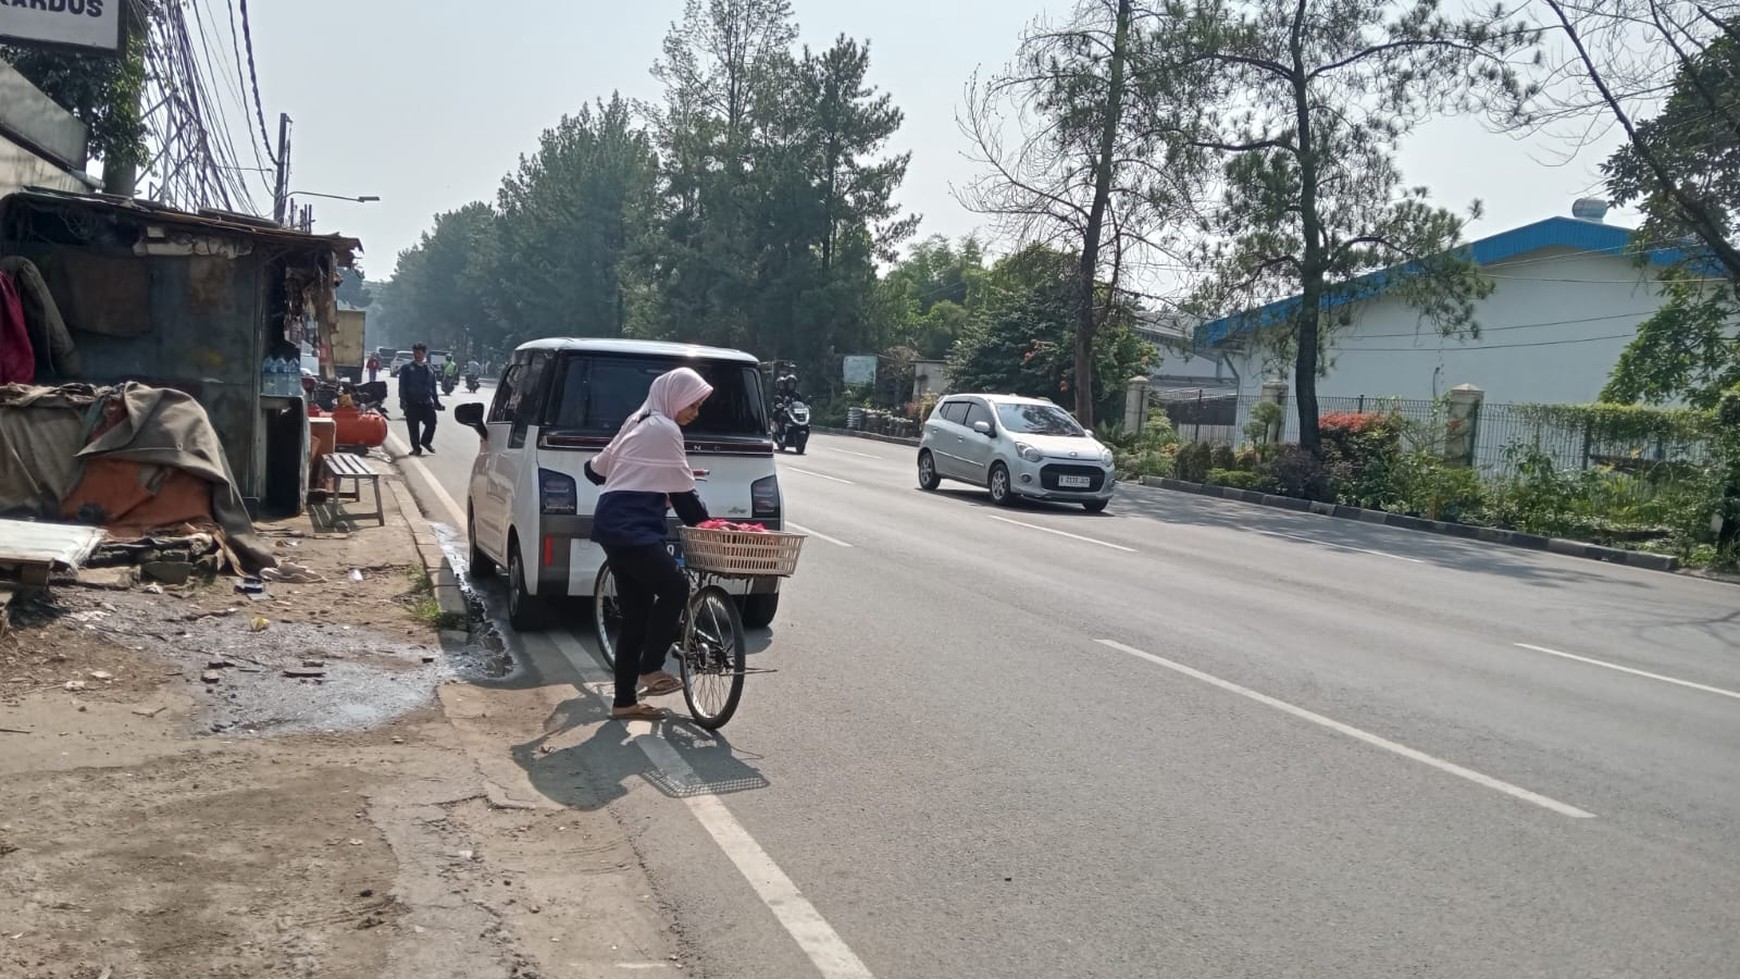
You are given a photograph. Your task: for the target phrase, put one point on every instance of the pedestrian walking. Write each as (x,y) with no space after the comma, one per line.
(374,366)
(420,399)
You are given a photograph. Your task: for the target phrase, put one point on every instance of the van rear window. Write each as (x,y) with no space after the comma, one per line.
(596,394)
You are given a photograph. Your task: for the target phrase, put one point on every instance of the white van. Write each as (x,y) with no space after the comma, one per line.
(558,403)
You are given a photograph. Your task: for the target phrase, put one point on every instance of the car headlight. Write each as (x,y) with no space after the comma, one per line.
(1028,452)
(1106,456)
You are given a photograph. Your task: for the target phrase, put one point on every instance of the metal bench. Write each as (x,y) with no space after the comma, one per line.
(342,466)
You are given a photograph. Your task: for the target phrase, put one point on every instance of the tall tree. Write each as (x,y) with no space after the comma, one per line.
(571,220)
(436,295)
(1682,168)
(1308,101)
(1077,173)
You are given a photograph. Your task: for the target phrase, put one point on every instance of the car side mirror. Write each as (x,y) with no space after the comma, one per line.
(471,416)
(983,428)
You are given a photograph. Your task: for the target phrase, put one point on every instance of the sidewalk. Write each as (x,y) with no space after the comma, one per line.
(311,783)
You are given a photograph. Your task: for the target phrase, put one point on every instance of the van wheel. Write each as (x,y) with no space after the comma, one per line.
(525,610)
(482,566)
(759,610)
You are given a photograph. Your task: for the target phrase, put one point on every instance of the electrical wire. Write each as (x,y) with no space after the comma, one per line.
(254,76)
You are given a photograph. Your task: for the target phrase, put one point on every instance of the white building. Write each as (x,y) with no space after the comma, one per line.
(1568,299)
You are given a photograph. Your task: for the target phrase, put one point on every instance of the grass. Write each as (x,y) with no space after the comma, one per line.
(425,608)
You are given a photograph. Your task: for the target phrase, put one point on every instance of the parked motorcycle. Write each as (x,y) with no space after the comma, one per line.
(791,426)
(471,383)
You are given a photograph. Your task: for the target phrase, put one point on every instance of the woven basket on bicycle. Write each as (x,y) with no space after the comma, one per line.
(742,554)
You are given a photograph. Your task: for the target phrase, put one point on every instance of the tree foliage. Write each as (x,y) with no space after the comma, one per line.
(1304,103)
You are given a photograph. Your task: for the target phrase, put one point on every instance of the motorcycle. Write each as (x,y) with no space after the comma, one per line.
(791,427)
(448,384)
(471,383)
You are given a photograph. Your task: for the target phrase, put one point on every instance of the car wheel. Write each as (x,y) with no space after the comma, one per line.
(525,610)
(758,610)
(928,480)
(482,566)
(1096,506)
(1002,493)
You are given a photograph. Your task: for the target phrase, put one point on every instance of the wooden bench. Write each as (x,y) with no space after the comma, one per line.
(342,466)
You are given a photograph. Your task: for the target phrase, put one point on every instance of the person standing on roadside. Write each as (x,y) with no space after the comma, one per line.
(420,399)
(374,366)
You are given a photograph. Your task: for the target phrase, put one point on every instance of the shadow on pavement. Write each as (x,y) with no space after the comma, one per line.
(1529,567)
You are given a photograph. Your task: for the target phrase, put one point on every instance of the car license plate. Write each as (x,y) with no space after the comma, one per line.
(1074,482)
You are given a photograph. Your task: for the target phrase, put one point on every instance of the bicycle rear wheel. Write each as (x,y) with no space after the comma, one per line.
(606,613)
(714,657)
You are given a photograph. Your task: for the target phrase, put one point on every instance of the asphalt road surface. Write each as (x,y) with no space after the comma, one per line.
(1187,738)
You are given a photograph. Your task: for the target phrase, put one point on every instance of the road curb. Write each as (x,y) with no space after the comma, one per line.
(867,436)
(430,554)
(1443,528)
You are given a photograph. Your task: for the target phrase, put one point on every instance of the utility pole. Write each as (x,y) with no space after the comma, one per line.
(282,188)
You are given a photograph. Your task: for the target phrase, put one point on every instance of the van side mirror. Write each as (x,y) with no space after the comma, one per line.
(983,428)
(471,416)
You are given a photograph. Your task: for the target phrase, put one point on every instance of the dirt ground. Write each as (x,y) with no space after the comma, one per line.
(193,792)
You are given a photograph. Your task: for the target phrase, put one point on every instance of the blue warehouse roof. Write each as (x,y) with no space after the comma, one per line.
(1556,232)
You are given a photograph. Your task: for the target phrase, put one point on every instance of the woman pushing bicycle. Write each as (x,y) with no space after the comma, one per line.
(644,472)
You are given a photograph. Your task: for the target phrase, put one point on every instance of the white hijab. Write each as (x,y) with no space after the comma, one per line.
(647,455)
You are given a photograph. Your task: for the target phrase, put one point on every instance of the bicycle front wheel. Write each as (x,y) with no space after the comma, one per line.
(714,657)
(606,613)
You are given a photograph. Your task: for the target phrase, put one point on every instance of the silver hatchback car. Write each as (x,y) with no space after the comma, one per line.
(1015,447)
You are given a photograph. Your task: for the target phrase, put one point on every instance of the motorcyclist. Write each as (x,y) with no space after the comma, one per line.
(472,370)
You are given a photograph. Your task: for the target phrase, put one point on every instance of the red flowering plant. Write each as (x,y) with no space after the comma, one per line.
(1360,449)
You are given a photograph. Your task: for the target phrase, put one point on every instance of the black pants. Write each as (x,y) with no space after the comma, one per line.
(421,417)
(650,590)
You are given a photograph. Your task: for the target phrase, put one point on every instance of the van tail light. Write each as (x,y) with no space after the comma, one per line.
(549,551)
(557,493)
(764,498)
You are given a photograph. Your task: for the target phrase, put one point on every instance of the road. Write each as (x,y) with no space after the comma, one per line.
(1185,738)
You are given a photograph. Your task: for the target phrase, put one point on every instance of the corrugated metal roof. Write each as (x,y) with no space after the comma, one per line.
(211,222)
(55,544)
(1592,237)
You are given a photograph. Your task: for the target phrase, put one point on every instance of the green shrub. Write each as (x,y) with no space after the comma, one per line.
(1422,484)
(1296,472)
(1221,457)
(1266,422)
(1193,462)
(1240,479)
(1148,453)
(1360,449)
(1248,460)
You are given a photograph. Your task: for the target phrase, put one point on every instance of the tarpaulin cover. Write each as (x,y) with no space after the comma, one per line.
(17,357)
(139,459)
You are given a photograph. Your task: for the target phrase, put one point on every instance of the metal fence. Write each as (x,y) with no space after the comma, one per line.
(1502,432)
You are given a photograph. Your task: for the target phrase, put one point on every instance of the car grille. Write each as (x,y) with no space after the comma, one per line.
(1048,478)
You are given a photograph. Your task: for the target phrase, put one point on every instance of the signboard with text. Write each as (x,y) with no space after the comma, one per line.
(90,25)
(861,371)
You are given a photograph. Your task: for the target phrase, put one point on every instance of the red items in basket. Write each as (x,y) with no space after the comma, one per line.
(745,528)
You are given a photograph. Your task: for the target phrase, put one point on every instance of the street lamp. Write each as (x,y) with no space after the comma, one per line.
(365,199)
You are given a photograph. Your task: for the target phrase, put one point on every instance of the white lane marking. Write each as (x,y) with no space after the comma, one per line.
(455,512)
(832,957)
(861,455)
(1626,669)
(831,479)
(1339,547)
(799,528)
(1354,732)
(1064,533)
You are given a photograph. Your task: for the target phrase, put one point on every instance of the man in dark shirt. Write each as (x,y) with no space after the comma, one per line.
(420,399)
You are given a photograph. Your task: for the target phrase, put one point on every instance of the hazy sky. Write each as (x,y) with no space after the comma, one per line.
(428,104)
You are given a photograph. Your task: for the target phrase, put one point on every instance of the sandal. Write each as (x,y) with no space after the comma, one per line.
(639,712)
(661,684)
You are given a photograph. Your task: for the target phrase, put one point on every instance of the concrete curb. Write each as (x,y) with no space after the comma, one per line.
(434,560)
(1485,535)
(867,436)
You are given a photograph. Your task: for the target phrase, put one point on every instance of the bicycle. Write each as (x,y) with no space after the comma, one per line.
(711,650)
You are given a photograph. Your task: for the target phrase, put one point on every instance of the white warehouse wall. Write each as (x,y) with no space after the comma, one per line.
(1551,332)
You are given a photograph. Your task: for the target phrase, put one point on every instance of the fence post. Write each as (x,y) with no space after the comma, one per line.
(1462,433)
(1136,405)
(1275,393)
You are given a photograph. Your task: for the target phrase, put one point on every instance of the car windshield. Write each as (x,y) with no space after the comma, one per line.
(1038,420)
(596,394)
